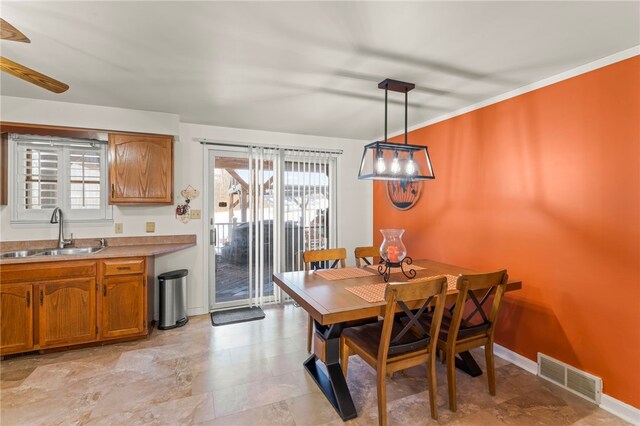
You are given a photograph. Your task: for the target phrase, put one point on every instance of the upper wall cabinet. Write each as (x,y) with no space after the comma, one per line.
(140,169)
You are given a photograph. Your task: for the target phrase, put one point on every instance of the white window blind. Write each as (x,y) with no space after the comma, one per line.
(37,177)
(56,172)
(85,178)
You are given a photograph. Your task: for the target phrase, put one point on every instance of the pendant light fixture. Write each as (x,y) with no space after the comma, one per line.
(393,161)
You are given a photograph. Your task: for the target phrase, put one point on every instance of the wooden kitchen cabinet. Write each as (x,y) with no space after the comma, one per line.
(140,169)
(123,306)
(67,311)
(45,305)
(16,318)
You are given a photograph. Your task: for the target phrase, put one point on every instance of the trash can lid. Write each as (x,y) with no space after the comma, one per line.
(179,273)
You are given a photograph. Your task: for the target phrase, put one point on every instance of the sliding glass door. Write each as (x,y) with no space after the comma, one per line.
(265,207)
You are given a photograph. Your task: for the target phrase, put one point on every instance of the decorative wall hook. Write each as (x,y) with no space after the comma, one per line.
(183,211)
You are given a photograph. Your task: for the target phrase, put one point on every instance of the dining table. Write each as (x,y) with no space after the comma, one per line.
(333,298)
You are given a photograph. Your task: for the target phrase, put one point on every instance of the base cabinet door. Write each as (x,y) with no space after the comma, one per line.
(123,308)
(67,311)
(16,318)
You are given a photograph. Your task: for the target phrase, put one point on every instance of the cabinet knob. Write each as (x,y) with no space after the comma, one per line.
(113,190)
(41,297)
(28,299)
(104,290)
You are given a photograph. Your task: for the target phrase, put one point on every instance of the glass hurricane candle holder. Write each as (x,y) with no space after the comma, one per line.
(394,254)
(392,248)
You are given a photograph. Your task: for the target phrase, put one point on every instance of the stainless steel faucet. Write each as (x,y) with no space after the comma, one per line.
(57,217)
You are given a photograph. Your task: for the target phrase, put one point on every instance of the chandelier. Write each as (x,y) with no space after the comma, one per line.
(394,161)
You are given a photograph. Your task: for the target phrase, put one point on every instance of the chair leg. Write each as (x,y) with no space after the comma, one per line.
(382,398)
(491,371)
(431,378)
(344,356)
(451,380)
(309,334)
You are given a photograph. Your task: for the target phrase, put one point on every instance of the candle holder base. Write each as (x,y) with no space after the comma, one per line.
(384,268)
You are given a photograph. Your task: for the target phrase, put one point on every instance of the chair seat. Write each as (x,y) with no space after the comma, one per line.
(463,333)
(367,338)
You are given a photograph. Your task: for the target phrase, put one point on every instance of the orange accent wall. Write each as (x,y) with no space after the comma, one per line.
(546,184)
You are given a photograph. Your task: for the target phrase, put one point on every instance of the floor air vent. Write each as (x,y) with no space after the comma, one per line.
(578,382)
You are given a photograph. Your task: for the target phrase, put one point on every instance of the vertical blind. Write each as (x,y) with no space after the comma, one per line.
(291,209)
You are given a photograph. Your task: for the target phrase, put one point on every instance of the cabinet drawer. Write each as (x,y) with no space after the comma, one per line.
(47,271)
(123,267)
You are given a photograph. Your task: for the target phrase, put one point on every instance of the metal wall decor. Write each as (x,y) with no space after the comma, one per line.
(391,161)
(403,194)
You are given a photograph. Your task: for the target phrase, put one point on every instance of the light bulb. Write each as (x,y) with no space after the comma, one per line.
(380,166)
(411,165)
(395,164)
(410,168)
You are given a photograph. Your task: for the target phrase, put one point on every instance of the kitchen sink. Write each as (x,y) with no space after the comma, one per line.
(51,252)
(71,251)
(18,253)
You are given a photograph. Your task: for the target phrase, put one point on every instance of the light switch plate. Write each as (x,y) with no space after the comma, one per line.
(118,228)
(151,227)
(195,214)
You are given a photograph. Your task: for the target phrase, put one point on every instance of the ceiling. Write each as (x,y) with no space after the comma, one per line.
(306,67)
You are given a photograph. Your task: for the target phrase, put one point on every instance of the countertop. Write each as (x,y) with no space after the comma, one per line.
(116,247)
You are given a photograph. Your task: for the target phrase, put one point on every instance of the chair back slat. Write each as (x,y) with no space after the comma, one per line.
(362,255)
(321,259)
(469,287)
(411,336)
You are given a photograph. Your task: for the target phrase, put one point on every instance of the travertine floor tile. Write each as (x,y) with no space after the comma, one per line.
(251,374)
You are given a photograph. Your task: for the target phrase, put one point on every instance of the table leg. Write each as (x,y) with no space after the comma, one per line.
(467,364)
(332,383)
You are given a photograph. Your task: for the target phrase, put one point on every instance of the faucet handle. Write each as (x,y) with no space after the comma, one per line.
(103,242)
(69,241)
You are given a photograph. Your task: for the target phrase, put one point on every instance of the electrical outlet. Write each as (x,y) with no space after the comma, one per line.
(151,227)
(195,214)
(118,228)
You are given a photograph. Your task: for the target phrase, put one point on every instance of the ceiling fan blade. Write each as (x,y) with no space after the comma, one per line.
(32,76)
(9,32)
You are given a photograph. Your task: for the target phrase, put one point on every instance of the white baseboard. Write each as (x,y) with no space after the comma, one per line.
(196,311)
(616,407)
(516,359)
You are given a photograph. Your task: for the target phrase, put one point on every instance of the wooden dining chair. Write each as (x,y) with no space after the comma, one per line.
(322,259)
(362,255)
(470,323)
(389,345)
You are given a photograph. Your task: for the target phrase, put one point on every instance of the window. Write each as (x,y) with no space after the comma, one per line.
(56,172)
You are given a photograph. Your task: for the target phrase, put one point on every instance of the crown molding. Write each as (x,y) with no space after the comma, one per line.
(591,66)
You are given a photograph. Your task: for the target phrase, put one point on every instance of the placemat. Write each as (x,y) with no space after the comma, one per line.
(374,293)
(451,281)
(343,273)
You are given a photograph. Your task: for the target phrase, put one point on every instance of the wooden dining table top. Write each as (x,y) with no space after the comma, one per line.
(329,301)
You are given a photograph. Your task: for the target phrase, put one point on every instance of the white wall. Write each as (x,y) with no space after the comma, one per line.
(53,113)
(355,213)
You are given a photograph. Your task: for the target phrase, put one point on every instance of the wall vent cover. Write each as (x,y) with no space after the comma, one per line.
(570,378)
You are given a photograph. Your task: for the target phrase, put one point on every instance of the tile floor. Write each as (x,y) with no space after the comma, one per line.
(251,374)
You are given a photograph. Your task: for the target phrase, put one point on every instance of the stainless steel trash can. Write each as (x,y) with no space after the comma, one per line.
(173,299)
